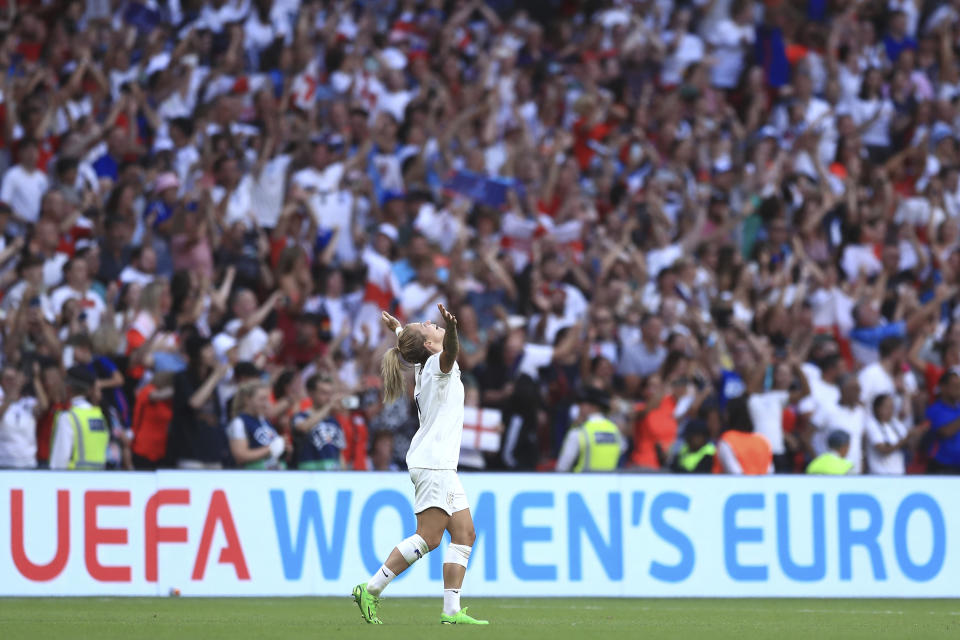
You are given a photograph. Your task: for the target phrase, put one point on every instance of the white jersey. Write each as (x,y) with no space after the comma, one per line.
(439,398)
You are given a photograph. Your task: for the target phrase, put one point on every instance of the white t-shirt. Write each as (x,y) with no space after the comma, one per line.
(323,182)
(240,203)
(885,433)
(689,49)
(18,435)
(766,412)
(268,190)
(420,303)
(23,190)
(534,358)
(860,256)
(439,401)
(823,398)
(90,303)
(874,380)
(251,344)
(660,259)
(852,420)
(728,41)
(53,269)
(878,133)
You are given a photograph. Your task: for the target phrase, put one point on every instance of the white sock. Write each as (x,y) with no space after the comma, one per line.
(451,601)
(380,580)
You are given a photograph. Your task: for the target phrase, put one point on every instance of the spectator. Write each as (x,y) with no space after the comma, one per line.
(77,286)
(767,407)
(850,416)
(81,436)
(740,451)
(381,452)
(886,438)
(836,460)
(152,414)
(642,359)
(197,436)
(320,443)
(944,417)
(24,184)
(697,453)
(18,421)
(254,443)
(596,444)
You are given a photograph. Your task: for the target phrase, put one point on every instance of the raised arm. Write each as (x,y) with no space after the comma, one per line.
(451,342)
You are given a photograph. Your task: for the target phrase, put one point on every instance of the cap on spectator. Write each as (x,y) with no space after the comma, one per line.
(388,230)
(595,396)
(80,378)
(246,369)
(164,181)
(838,438)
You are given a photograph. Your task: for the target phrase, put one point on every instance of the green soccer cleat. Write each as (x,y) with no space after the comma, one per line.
(460,617)
(367,602)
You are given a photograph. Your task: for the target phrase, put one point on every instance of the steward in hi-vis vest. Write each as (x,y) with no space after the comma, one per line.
(596,444)
(81,433)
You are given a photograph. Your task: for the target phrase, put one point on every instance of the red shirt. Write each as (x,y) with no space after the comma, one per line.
(658,426)
(151,422)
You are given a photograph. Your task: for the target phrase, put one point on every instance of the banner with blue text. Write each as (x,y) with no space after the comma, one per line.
(285,533)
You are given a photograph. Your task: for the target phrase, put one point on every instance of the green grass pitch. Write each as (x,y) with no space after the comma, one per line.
(526,619)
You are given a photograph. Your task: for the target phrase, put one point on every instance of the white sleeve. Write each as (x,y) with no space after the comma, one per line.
(725,34)
(62,447)
(570,450)
(6,188)
(235,430)
(728,459)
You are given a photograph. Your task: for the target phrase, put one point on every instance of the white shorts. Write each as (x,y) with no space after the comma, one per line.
(438,488)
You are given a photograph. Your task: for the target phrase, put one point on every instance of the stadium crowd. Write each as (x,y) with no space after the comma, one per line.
(718,216)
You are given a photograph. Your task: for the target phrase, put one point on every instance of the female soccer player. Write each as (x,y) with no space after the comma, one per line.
(440,502)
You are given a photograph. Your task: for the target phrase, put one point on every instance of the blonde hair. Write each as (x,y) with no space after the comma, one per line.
(106,339)
(243,399)
(410,349)
(149,299)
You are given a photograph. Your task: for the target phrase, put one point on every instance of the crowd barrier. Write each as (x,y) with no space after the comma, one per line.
(285,533)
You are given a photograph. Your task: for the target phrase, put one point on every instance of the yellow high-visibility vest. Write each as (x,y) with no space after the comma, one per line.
(599,446)
(91,435)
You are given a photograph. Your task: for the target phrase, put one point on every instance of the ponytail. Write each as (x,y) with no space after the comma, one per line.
(410,350)
(391,369)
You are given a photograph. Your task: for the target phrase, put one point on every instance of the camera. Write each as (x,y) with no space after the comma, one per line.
(351,402)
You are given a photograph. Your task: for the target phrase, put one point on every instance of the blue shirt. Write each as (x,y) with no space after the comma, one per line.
(940,414)
(324,442)
(731,386)
(895,47)
(162,211)
(873,336)
(106,167)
